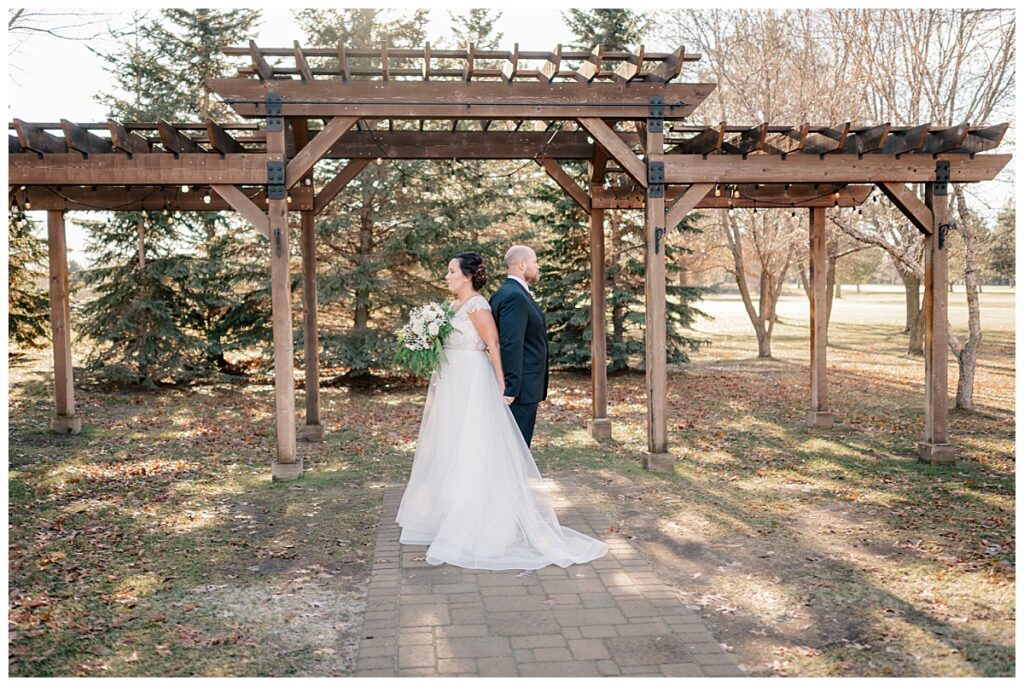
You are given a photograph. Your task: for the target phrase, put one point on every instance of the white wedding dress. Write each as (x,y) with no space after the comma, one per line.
(475,496)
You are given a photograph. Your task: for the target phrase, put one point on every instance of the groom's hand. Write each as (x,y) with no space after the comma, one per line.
(508,399)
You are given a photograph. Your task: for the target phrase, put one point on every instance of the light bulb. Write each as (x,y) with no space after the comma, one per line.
(288,199)
(207,199)
(380,160)
(735,192)
(307,181)
(718,191)
(184,188)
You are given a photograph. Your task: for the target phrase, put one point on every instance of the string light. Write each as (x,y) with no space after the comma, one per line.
(28,203)
(380,161)
(184,188)
(288,199)
(718,191)
(307,181)
(792,212)
(735,191)
(836,196)
(730,206)
(207,199)
(177,213)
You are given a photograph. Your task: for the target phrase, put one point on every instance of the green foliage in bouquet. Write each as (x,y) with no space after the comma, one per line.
(421,340)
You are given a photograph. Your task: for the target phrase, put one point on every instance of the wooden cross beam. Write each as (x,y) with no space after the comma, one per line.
(337,184)
(685,203)
(310,154)
(568,184)
(245,207)
(908,203)
(616,148)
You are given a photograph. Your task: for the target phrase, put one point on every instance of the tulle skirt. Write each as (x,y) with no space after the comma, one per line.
(475,496)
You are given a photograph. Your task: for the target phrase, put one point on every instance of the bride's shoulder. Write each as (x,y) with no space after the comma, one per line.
(477,303)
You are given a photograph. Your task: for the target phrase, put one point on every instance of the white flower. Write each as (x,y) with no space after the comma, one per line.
(417,327)
(433,328)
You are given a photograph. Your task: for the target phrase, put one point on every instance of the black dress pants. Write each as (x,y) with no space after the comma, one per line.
(526,418)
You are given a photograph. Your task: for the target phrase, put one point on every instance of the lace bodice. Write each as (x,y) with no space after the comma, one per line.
(465,337)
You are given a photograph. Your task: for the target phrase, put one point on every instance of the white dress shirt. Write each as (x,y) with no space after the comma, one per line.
(520,280)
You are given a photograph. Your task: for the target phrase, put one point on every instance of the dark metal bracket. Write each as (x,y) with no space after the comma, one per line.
(942,177)
(656,114)
(275,120)
(275,180)
(659,233)
(943,230)
(656,179)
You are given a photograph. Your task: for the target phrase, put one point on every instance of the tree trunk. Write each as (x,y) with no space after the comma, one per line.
(967,356)
(362,315)
(733,238)
(830,289)
(915,322)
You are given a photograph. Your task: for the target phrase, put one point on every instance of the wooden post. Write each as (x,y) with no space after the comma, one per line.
(819,414)
(286,466)
(936,447)
(66,421)
(657,458)
(600,426)
(313,429)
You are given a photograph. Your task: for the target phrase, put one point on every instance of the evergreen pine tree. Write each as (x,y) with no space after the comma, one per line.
(27,299)
(216,303)
(564,290)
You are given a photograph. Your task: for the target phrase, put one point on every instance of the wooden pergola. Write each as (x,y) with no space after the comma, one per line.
(622,112)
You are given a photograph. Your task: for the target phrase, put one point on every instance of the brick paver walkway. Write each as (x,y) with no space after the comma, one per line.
(610,617)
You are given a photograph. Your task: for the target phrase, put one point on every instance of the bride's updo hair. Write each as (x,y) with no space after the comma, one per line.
(472,265)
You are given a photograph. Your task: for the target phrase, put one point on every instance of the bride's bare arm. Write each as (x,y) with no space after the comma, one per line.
(483,321)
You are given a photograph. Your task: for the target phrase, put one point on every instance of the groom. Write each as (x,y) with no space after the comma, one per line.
(524,339)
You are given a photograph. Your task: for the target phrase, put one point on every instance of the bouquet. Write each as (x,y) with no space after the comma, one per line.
(420,342)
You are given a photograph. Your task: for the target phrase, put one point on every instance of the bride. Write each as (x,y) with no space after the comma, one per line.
(475,496)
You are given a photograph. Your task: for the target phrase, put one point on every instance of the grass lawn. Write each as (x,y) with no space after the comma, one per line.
(154,543)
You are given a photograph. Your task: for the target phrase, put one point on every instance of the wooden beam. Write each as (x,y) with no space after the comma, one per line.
(830,169)
(908,140)
(827,140)
(310,154)
(655,331)
(144,170)
(616,148)
(511,65)
(592,66)
(337,184)
(286,465)
(910,205)
(984,139)
(221,140)
(175,141)
(567,183)
(151,198)
(668,68)
(122,139)
(467,71)
(774,196)
(598,167)
(707,141)
(34,138)
(866,141)
(343,69)
(630,67)
(313,430)
(301,64)
(549,70)
(748,141)
(936,448)
(82,140)
(461,100)
(685,203)
(241,203)
(60,327)
(600,426)
(819,414)
(944,140)
(263,69)
(426,69)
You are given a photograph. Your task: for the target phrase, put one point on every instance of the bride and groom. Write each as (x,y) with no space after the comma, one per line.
(475,495)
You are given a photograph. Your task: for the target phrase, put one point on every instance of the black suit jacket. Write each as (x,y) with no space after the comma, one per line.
(524,343)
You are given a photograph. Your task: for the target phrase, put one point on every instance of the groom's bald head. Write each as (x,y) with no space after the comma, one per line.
(517,255)
(521,261)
